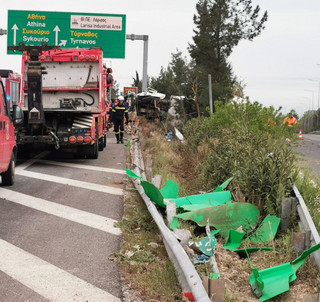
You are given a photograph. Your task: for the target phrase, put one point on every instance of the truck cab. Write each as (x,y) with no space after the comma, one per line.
(8,148)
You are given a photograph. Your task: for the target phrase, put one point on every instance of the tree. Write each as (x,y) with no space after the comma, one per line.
(220,25)
(137,82)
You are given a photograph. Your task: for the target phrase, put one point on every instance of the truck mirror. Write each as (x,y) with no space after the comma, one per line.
(18,117)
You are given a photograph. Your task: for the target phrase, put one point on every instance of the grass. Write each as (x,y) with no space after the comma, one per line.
(143,262)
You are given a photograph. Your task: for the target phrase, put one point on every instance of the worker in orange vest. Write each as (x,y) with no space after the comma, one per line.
(290,120)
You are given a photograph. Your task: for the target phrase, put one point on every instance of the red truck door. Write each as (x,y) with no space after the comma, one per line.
(6,132)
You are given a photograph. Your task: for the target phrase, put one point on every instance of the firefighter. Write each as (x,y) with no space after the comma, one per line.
(119,111)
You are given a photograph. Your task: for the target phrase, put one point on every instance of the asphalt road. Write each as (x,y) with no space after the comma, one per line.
(309,152)
(57,228)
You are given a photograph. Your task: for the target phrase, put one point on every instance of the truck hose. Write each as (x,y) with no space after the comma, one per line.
(57,145)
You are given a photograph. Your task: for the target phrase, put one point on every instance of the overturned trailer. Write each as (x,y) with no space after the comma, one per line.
(151,104)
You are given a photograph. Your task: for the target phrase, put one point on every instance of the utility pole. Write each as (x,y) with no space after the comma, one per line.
(145,39)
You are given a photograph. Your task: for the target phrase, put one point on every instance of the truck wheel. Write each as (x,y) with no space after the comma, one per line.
(93,150)
(101,143)
(105,141)
(8,176)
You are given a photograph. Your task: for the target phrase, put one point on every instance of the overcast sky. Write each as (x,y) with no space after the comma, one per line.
(277,67)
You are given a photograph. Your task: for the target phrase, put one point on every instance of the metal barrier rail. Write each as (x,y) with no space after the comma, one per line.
(307,224)
(187,275)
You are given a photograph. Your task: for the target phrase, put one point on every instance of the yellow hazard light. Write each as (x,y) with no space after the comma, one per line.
(72,139)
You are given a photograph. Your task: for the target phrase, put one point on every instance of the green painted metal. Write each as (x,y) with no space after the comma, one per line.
(234,239)
(266,231)
(274,281)
(132,174)
(224,217)
(68,30)
(210,199)
(223,186)
(207,245)
(170,190)
(153,193)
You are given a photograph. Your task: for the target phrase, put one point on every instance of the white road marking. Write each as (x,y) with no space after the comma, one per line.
(31,161)
(46,279)
(78,166)
(92,220)
(70,182)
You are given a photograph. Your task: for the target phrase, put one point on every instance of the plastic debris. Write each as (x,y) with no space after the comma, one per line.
(224,217)
(169,136)
(200,258)
(274,281)
(179,135)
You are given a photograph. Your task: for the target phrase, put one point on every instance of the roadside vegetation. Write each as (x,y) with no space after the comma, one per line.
(248,142)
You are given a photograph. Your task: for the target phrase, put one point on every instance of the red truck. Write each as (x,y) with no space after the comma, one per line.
(63,96)
(8,148)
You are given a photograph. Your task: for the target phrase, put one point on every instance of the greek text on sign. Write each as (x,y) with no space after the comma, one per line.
(95,22)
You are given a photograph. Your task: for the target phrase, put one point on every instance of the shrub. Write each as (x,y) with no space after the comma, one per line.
(239,141)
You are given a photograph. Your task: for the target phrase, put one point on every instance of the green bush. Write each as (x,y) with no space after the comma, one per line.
(245,141)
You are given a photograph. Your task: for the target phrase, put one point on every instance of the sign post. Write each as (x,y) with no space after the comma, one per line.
(68,30)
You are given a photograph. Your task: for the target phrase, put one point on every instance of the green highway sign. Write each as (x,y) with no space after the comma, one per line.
(68,30)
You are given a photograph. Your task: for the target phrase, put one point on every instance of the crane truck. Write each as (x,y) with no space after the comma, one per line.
(63,96)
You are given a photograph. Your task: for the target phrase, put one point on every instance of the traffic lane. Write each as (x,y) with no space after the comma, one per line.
(312,137)
(308,154)
(98,177)
(12,290)
(113,156)
(107,205)
(77,249)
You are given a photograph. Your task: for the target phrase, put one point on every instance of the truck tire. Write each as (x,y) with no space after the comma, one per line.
(8,176)
(93,150)
(101,143)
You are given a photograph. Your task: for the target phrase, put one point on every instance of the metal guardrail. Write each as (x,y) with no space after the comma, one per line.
(307,224)
(187,275)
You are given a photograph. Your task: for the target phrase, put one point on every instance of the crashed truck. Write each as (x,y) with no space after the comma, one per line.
(63,97)
(154,106)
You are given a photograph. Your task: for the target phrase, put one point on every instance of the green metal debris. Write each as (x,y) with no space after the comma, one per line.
(209,199)
(223,186)
(234,239)
(274,281)
(207,244)
(267,230)
(224,217)
(132,174)
(153,193)
(170,190)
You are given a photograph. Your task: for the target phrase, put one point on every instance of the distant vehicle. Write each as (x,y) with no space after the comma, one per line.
(63,97)
(8,148)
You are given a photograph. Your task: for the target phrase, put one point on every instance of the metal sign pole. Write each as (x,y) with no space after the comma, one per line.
(145,39)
